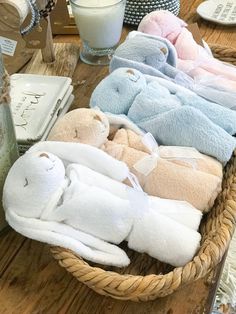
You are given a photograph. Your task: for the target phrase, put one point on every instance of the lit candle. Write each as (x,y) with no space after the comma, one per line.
(99,21)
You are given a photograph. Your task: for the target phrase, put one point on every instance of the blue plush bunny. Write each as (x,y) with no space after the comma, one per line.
(156,56)
(173,114)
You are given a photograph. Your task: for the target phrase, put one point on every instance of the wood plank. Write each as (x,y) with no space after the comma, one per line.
(35,283)
(31,281)
(12,243)
(66,58)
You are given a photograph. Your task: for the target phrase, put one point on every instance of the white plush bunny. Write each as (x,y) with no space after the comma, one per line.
(72,195)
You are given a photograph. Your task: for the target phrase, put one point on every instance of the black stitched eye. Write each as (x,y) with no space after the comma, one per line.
(26,182)
(76,134)
(44,155)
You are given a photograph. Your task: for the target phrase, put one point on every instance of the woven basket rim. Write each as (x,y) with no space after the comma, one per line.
(150,287)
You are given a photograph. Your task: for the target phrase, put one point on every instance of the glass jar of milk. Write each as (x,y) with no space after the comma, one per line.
(100,25)
(8,144)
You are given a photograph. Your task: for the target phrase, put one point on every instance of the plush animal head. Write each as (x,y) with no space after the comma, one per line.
(116,93)
(154,51)
(162,23)
(31,182)
(86,126)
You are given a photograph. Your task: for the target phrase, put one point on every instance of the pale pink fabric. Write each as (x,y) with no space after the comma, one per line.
(193,59)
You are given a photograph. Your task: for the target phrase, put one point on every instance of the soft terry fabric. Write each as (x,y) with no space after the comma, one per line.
(193,59)
(63,202)
(172,172)
(174,115)
(148,54)
(172,177)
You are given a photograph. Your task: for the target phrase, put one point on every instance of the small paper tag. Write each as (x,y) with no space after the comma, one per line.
(8,46)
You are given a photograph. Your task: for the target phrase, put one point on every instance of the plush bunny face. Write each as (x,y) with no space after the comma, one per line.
(116,93)
(31,173)
(151,51)
(162,23)
(86,126)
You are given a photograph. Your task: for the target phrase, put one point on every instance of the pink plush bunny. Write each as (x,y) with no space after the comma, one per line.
(193,59)
(165,24)
(161,23)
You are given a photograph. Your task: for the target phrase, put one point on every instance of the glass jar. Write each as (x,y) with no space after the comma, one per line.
(8,144)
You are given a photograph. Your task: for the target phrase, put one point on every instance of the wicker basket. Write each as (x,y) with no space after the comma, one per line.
(146,278)
(135,10)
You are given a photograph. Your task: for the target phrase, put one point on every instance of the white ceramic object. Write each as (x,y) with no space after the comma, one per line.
(218,11)
(24,146)
(36,103)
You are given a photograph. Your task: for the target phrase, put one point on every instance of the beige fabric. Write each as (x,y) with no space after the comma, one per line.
(81,125)
(171,179)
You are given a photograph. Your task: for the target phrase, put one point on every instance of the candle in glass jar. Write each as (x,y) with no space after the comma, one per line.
(99,21)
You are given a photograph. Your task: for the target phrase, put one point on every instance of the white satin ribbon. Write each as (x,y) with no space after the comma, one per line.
(208,87)
(134,182)
(138,199)
(146,165)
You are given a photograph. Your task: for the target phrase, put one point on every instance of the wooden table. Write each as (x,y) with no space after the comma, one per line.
(31,280)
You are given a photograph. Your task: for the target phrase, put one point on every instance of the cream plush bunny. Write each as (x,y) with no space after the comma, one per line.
(71,195)
(176,173)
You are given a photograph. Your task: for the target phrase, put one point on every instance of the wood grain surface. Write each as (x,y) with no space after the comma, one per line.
(31,281)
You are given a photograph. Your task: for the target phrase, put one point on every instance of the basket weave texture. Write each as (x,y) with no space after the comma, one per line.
(146,278)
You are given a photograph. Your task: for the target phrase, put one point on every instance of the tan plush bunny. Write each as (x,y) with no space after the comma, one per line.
(169,172)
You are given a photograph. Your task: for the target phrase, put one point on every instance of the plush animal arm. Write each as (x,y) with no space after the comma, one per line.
(86,155)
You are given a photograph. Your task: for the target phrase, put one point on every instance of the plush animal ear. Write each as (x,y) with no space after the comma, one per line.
(59,234)
(171,51)
(85,155)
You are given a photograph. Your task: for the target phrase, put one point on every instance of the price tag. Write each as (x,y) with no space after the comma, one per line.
(8,46)
(218,11)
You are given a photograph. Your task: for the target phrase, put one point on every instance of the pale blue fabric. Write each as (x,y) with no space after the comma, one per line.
(149,54)
(173,114)
(180,96)
(156,56)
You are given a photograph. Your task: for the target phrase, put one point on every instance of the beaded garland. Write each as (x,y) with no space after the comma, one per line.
(136,10)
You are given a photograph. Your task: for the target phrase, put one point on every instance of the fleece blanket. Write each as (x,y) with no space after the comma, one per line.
(174,115)
(193,59)
(172,172)
(71,195)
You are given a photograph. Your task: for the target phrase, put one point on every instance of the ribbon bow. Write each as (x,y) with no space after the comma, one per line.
(146,165)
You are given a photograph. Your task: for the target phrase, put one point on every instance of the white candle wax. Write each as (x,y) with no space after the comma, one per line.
(100,22)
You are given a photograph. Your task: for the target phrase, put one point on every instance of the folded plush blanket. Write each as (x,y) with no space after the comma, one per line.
(179,173)
(193,59)
(174,115)
(171,174)
(51,195)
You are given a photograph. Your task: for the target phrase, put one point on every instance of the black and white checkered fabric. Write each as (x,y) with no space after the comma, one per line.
(48,8)
(136,9)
